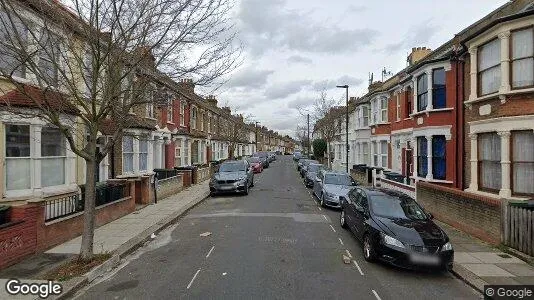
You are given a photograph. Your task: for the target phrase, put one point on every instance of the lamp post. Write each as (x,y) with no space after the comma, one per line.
(256,139)
(346,87)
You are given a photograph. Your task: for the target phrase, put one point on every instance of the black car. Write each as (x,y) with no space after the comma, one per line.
(264,156)
(395,229)
(304,167)
(313,169)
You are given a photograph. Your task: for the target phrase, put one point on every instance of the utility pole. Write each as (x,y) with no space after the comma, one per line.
(309,144)
(256,139)
(346,87)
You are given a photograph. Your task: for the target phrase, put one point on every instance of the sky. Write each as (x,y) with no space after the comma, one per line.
(293,49)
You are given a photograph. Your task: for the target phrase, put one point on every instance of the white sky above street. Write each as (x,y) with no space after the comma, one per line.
(295,48)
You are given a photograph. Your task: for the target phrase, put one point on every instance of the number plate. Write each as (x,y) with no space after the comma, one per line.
(424,259)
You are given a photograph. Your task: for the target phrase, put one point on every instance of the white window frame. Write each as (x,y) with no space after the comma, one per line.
(383,109)
(182,113)
(398,107)
(194,115)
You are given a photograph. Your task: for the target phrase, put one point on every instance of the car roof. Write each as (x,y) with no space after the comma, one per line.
(375,191)
(329,172)
(232,161)
(313,164)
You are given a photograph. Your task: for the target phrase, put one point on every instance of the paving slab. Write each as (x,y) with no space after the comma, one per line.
(496,258)
(465,257)
(487,270)
(522,269)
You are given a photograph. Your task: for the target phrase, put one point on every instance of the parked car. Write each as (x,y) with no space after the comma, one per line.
(395,229)
(272,156)
(329,186)
(311,173)
(279,152)
(304,167)
(300,162)
(264,158)
(297,155)
(256,164)
(232,176)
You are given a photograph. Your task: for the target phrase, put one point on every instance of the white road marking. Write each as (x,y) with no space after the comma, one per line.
(341,242)
(376,295)
(332,228)
(359,269)
(348,254)
(319,208)
(325,217)
(193,279)
(208,255)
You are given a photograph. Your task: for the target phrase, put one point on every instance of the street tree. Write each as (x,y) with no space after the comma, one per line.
(82,64)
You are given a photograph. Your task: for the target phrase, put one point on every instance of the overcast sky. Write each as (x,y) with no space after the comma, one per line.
(295,48)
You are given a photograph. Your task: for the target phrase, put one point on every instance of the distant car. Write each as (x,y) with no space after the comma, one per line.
(300,162)
(329,186)
(272,156)
(311,173)
(304,167)
(264,157)
(297,156)
(256,164)
(278,152)
(232,176)
(395,229)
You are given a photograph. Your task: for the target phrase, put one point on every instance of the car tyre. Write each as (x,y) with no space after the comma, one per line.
(368,249)
(342,220)
(245,192)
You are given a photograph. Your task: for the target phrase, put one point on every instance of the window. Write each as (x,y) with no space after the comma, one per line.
(422,157)
(374,112)
(438,88)
(201,121)
(366,153)
(523,162)
(338,152)
(358,153)
(209,123)
(375,154)
(49,52)
(221,151)
(143,155)
(170,109)
(384,109)
(182,113)
(365,110)
(384,153)
(186,152)
(489,161)
(18,161)
(127,154)
(438,157)
(409,101)
(422,92)
(193,118)
(522,58)
(150,104)
(178,153)
(10,31)
(398,107)
(53,157)
(489,67)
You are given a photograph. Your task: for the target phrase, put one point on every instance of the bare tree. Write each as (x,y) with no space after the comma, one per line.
(324,114)
(235,129)
(86,64)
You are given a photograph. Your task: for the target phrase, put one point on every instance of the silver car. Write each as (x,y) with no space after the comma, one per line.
(330,186)
(232,176)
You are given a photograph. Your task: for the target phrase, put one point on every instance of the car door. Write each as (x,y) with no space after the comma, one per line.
(318,184)
(349,209)
(360,212)
(249,171)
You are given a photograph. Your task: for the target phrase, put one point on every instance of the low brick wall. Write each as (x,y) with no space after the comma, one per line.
(18,237)
(477,215)
(202,174)
(169,186)
(396,186)
(360,176)
(187,179)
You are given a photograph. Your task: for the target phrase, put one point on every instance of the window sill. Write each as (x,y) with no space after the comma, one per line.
(150,118)
(406,119)
(500,95)
(172,123)
(431,180)
(431,111)
(381,123)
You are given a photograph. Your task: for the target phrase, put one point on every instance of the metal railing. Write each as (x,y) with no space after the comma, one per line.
(165,173)
(62,207)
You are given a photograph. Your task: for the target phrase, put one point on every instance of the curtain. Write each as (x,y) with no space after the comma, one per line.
(523,72)
(490,54)
(490,161)
(522,43)
(422,160)
(523,162)
(52,171)
(439,157)
(18,176)
(490,80)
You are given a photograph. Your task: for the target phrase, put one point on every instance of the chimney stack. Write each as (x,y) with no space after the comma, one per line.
(418,53)
(212,100)
(187,84)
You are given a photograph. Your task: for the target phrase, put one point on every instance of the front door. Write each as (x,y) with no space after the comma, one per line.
(408,165)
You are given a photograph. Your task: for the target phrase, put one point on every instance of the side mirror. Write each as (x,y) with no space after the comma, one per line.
(318,180)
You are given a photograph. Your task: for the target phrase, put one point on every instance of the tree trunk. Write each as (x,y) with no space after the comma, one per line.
(86,250)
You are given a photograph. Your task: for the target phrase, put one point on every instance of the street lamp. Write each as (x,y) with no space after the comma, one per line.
(346,87)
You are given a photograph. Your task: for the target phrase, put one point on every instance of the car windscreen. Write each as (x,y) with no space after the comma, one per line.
(254,160)
(232,167)
(315,168)
(337,179)
(396,207)
(309,161)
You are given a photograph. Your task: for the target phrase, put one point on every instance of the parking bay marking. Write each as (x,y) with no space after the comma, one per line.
(359,269)
(376,295)
(348,254)
(341,242)
(332,228)
(208,255)
(325,217)
(193,279)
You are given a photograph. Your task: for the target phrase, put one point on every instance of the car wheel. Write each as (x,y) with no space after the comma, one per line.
(368,249)
(245,192)
(252,183)
(322,200)
(342,220)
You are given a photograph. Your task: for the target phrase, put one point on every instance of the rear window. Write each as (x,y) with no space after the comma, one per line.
(315,168)
(396,207)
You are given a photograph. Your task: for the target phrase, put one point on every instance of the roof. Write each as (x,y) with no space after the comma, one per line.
(109,126)
(31,96)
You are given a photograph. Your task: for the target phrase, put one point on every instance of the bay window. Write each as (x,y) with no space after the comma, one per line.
(18,160)
(193,118)
(409,98)
(489,67)
(127,154)
(422,92)
(523,162)
(186,152)
(374,112)
(170,109)
(438,88)
(53,157)
(375,154)
(398,107)
(178,153)
(422,156)
(384,154)
(383,109)
(11,30)
(522,58)
(143,154)
(365,111)
(438,157)
(489,161)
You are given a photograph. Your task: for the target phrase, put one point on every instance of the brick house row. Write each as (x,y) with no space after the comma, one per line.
(460,116)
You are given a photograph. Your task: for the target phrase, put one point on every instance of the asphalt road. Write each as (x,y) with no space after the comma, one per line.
(275,243)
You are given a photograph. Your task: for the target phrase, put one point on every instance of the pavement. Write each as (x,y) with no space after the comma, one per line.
(275,243)
(118,237)
(480,264)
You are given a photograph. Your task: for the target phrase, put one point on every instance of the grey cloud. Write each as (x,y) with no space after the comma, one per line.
(285,124)
(299,102)
(250,78)
(417,35)
(268,24)
(356,8)
(330,84)
(297,59)
(282,90)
